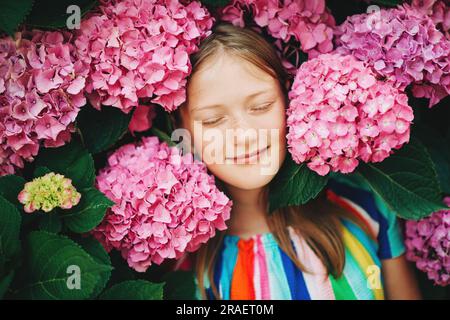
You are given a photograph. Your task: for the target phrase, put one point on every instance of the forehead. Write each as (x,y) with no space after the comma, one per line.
(226,78)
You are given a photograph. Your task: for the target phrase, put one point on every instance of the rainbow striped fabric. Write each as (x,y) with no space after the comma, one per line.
(256,268)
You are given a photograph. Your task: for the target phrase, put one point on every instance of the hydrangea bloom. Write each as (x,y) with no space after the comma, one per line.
(428,245)
(166,203)
(48,192)
(140,48)
(403,45)
(306,21)
(340,113)
(438,10)
(41,92)
(142,118)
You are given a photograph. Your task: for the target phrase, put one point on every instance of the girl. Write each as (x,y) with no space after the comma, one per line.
(344,244)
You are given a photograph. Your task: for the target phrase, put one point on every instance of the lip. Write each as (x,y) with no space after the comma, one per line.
(250,156)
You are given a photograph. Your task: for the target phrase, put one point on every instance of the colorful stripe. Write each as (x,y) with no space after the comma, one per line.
(226,268)
(316,277)
(294,275)
(257,268)
(363,238)
(263,274)
(278,280)
(341,288)
(256,273)
(362,257)
(391,243)
(356,211)
(389,238)
(242,281)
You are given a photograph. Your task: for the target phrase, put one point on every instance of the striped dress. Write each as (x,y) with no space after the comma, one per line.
(257,268)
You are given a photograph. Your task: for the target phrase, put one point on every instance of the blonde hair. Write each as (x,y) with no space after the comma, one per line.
(317,221)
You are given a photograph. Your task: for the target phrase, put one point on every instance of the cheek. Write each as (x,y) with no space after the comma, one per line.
(275,122)
(209,144)
(274,118)
(280,117)
(277,138)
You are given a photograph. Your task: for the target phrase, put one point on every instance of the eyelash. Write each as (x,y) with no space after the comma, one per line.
(208,123)
(261,108)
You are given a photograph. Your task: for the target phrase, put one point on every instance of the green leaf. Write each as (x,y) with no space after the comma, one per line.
(89,212)
(5,282)
(354,180)
(215,3)
(134,290)
(41,171)
(71,160)
(10,221)
(122,271)
(101,129)
(13,13)
(53,263)
(294,185)
(96,250)
(163,137)
(51,14)
(50,222)
(10,186)
(387,3)
(406,181)
(439,149)
(169,123)
(180,285)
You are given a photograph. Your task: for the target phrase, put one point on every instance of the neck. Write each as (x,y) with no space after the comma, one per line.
(249,211)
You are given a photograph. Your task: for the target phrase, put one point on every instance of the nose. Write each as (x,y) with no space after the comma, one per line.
(245,135)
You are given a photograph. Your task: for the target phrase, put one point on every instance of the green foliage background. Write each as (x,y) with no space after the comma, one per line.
(37,249)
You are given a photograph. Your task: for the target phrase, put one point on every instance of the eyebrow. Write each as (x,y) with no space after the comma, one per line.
(251,96)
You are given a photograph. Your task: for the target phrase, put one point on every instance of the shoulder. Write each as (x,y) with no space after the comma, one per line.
(381,223)
(358,202)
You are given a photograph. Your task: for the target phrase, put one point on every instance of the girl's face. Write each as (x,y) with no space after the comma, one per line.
(235,114)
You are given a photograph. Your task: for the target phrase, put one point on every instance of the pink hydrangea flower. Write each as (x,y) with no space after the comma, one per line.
(428,245)
(140,49)
(439,12)
(341,113)
(307,22)
(166,203)
(403,45)
(41,92)
(142,118)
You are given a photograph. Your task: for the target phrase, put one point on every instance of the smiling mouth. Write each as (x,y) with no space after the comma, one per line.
(249,156)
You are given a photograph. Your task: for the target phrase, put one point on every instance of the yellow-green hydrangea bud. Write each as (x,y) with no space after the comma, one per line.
(48,192)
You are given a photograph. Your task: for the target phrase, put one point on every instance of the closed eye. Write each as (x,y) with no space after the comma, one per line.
(211,121)
(262,107)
